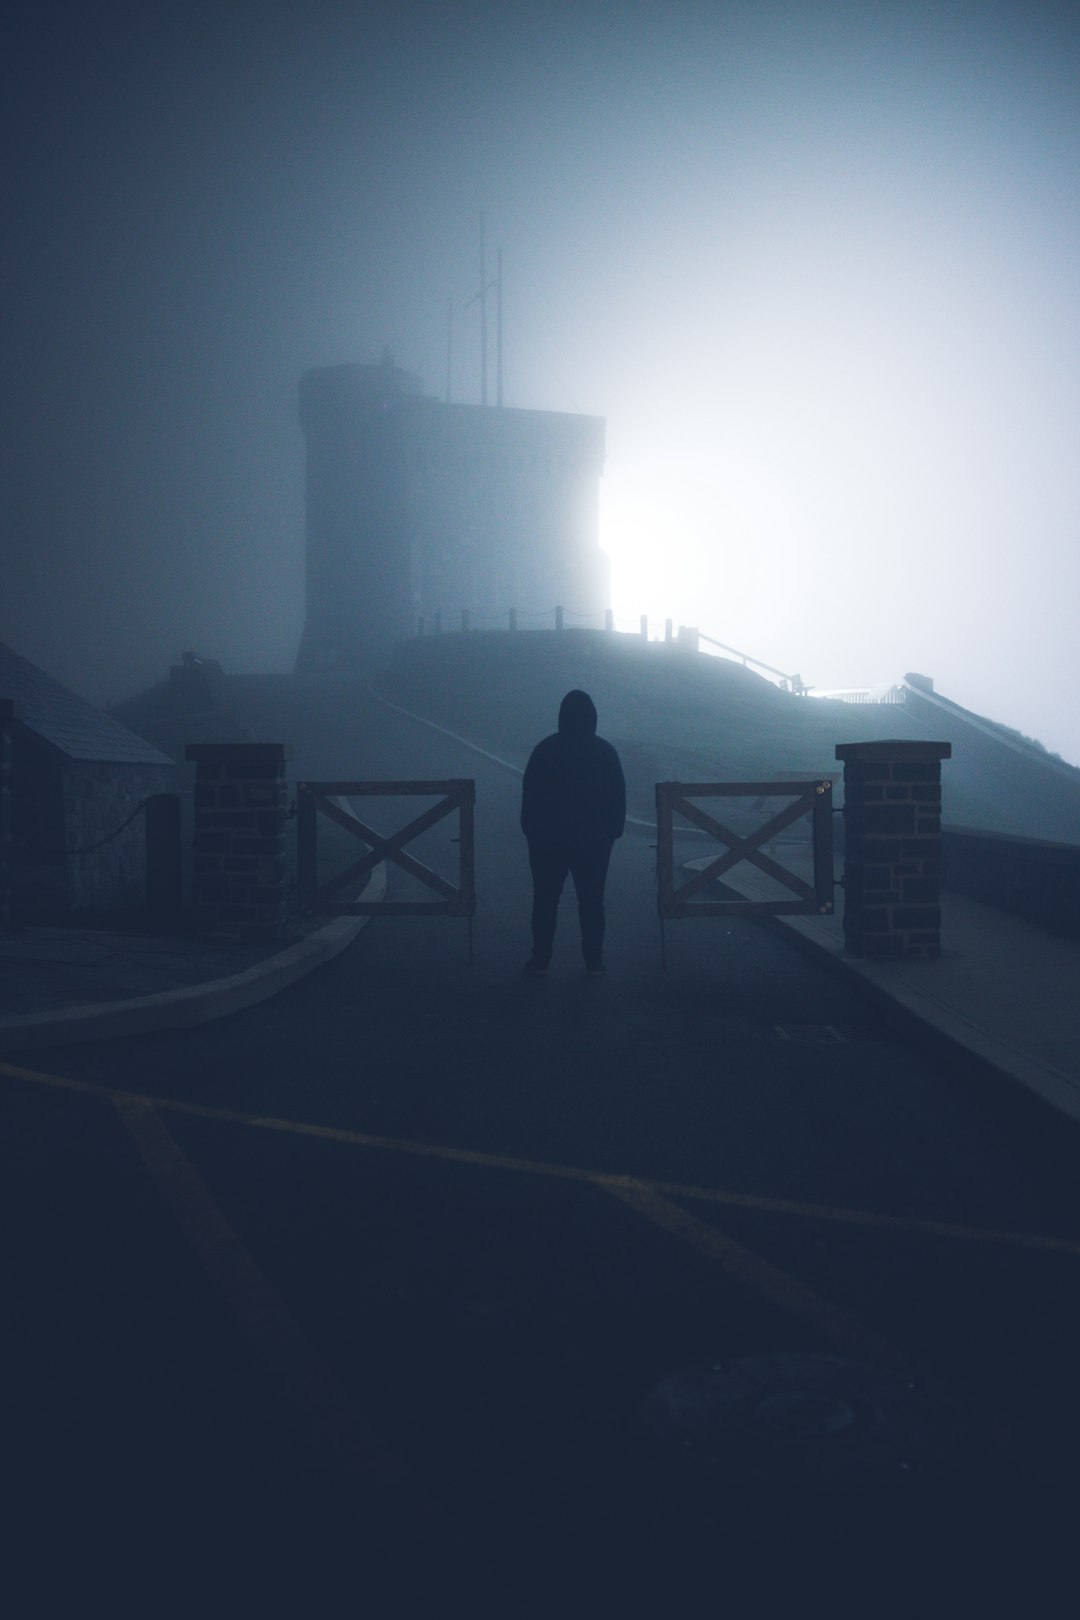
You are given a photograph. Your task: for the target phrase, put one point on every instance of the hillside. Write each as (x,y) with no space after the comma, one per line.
(686,716)
(673,714)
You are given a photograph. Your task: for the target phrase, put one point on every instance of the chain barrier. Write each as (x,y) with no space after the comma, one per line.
(486,618)
(83,849)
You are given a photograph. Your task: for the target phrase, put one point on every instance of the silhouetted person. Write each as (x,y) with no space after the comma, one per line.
(573,807)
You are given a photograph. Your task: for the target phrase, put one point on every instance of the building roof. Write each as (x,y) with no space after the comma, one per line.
(71,724)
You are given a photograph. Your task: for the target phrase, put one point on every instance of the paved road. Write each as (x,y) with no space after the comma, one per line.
(372,1299)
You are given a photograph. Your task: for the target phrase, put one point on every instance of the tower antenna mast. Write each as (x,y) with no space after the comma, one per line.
(483,317)
(498,330)
(481,299)
(449,344)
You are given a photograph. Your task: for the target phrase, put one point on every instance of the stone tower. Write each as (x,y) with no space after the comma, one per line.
(417,509)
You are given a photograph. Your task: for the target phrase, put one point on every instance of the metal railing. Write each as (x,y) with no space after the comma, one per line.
(792,683)
(864,694)
(562,618)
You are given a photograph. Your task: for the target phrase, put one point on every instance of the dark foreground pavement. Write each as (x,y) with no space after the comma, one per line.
(426,1289)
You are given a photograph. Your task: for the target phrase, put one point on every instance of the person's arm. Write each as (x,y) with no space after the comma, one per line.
(616,806)
(528,794)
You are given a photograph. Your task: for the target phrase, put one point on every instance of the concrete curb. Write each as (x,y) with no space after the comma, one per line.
(917,1008)
(917,1005)
(193,1004)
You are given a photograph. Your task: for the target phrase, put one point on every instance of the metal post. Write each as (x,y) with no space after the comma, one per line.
(449,344)
(664,859)
(467,847)
(164,857)
(306,834)
(7,715)
(498,329)
(822,832)
(483,318)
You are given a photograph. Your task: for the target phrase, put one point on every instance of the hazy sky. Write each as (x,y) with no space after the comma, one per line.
(817,265)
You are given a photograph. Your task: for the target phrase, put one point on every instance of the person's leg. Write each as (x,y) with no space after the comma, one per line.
(589,868)
(549,868)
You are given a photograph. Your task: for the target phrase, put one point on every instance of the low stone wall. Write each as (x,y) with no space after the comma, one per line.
(78,833)
(1028,877)
(238,860)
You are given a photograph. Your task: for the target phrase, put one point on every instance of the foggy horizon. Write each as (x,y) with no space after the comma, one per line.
(815,265)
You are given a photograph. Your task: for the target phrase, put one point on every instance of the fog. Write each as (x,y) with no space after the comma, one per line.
(815,264)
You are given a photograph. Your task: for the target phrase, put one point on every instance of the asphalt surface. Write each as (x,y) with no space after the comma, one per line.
(429,1289)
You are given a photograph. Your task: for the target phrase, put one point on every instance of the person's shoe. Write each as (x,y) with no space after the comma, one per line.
(594,969)
(535,969)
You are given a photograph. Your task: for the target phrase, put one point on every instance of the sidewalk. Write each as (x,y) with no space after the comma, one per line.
(63,985)
(1002,990)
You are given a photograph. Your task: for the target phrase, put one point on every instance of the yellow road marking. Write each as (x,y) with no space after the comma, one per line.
(790,1295)
(497,1161)
(256,1307)
(331,1417)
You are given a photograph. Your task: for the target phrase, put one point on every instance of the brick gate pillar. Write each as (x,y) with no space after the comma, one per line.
(892,847)
(238,865)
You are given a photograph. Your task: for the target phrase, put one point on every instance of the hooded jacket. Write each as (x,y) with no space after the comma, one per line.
(574,793)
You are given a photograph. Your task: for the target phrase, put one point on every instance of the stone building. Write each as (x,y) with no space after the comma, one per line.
(417,509)
(76,775)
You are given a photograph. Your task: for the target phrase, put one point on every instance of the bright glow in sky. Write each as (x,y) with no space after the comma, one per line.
(872,466)
(815,263)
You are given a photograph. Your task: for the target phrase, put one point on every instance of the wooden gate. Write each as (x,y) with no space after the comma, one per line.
(813,799)
(325,798)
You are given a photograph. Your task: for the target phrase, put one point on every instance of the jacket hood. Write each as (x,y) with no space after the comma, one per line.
(577,715)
